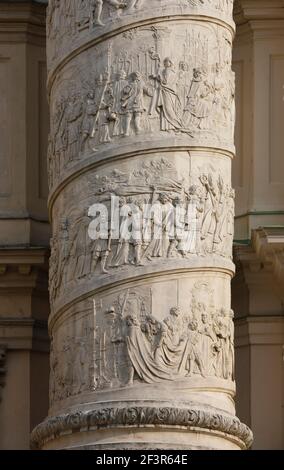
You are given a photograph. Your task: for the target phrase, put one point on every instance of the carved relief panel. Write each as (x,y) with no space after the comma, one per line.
(71,366)
(128,337)
(142,88)
(87,19)
(183,195)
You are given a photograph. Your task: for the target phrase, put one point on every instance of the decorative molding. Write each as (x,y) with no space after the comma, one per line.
(263,260)
(246,10)
(24,334)
(21,267)
(83,421)
(23,276)
(266,251)
(23,22)
(22,255)
(259,331)
(181,267)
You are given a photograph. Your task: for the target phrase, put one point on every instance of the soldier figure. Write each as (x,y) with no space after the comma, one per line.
(88,120)
(133,103)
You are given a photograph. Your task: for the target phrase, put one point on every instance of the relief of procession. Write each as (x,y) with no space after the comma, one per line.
(142,93)
(142,217)
(129,343)
(74,16)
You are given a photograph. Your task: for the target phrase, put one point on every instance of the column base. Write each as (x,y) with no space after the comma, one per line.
(143,427)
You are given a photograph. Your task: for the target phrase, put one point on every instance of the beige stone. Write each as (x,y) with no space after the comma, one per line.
(24,228)
(142,108)
(257,291)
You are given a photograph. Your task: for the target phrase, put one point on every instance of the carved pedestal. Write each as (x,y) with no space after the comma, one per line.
(142,106)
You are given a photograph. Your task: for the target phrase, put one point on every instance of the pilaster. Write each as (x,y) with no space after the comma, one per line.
(259,65)
(257,295)
(24,226)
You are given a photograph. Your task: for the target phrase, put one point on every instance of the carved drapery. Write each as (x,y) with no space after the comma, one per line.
(142,109)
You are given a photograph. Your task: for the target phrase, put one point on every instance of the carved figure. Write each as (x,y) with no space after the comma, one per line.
(168,103)
(159,245)
(132,100)
(80,252)
(194,357)
(119,85)
(122,253)
(88,119)
(73,113)
(135,4)
(83,13)
(199,101)
(100,250)
(104,117)
(97,8)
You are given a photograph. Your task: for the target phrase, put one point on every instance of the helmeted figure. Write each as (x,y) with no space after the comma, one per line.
(132,103)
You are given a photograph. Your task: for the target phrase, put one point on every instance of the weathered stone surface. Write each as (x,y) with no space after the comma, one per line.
(142,108)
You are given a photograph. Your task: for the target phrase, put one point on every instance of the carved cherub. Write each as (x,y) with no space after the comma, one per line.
(151,327)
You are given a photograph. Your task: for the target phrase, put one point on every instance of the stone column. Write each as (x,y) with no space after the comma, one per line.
(142,108)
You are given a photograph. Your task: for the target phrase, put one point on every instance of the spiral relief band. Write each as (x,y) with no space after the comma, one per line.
(140,152)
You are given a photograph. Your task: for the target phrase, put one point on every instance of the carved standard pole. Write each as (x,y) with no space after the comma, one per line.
(142,108)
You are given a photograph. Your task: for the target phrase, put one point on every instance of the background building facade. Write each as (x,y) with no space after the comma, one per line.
(257,289)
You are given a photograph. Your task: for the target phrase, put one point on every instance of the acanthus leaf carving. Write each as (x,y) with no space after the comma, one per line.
(189,416)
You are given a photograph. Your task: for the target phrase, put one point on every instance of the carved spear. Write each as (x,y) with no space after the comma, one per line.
(104,90)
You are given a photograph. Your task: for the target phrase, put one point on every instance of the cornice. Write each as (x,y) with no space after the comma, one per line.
(23,255)
(246,10)
(22,22)
(259,330)
(23,269)
(23,334)
(264,257)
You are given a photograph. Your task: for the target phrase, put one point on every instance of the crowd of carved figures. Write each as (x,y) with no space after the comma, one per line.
(142,92)
(74,16)
(71,361)
(127,344)
(189,221)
